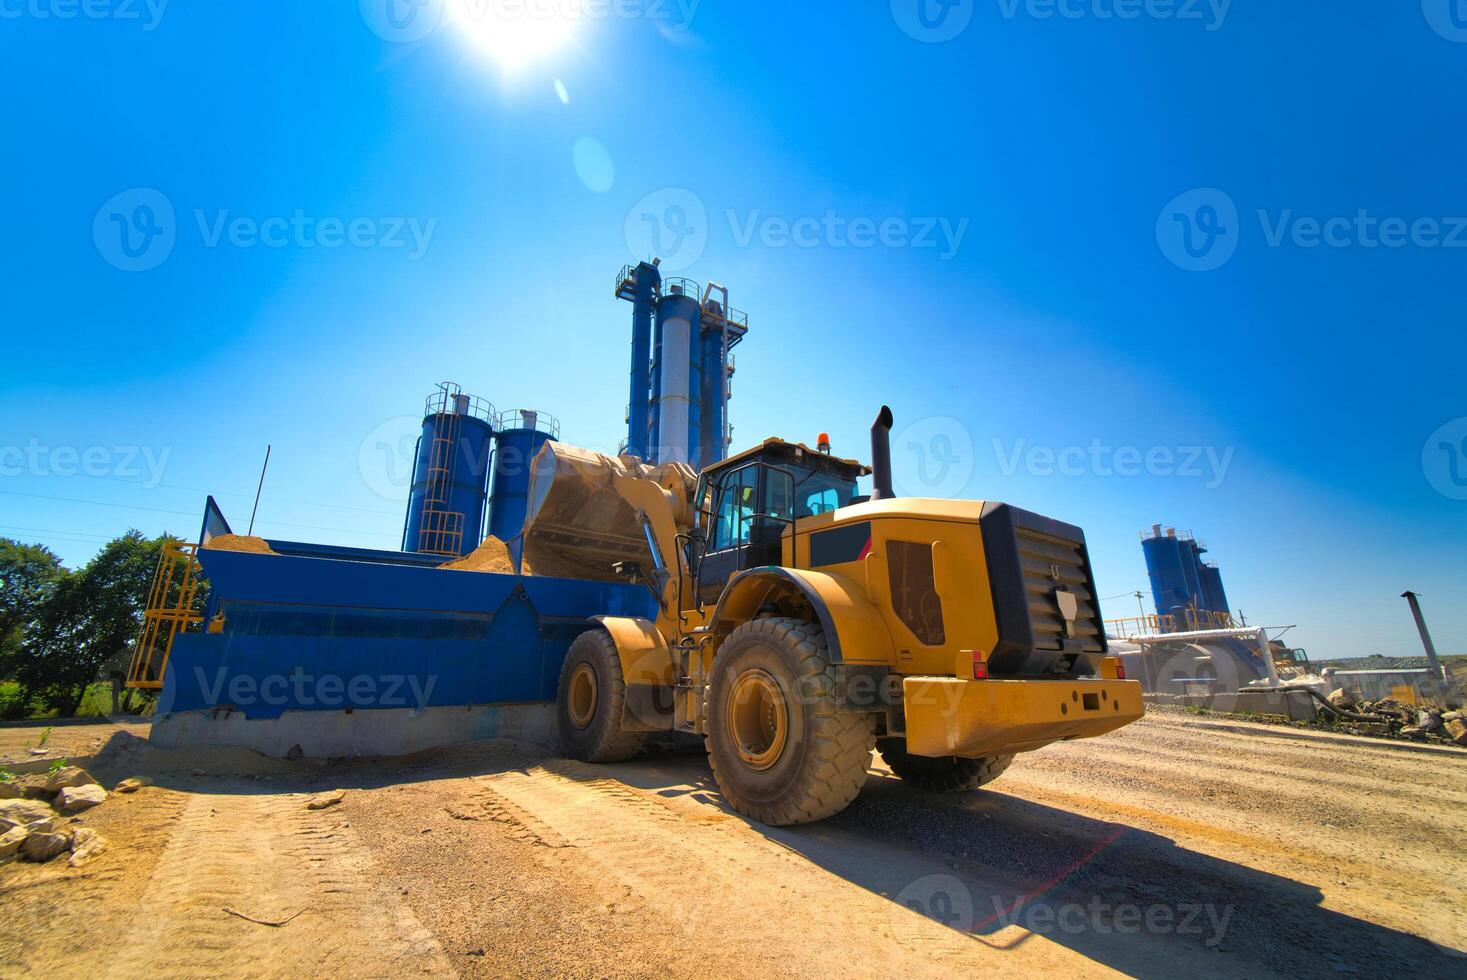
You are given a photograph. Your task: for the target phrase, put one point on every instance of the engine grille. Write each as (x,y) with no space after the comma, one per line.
(1032,560)
(1051,563)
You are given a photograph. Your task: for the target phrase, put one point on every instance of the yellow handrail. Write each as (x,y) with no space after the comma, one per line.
(170,611)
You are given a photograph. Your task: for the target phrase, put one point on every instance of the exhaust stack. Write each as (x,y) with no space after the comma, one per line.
(881,456)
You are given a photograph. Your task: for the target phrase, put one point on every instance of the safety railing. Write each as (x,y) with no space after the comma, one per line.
(171,610)
(526,418)
(1192,620)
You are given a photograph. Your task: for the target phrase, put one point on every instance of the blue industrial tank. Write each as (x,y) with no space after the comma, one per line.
(1182,584)
(642,286)
(1214,597)
(450,474)
(1171,565)
(675,371)
(519,440)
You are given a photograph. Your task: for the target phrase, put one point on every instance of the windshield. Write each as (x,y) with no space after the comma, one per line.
(814,493)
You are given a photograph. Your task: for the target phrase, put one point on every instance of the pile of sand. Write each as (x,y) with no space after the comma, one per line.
(491,556)
(239,542)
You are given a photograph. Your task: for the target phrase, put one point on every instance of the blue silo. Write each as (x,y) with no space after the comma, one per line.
(1214,596)
(675,356)
(642,286)
(450,474)
(1171,565)
(520,437)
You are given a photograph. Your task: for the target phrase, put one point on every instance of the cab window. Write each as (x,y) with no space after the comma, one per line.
(736,508)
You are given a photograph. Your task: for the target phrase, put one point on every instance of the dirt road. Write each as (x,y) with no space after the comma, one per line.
(1169,848)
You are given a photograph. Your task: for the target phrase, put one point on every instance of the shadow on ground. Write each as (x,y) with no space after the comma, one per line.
(996,869)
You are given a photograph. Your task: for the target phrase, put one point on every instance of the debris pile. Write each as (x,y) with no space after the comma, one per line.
(1422,724)
(34,812)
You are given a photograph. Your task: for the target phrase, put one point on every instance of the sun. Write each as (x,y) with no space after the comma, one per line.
(513,32)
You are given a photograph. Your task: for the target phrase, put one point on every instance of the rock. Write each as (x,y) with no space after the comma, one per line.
(323,800)
(1428,720)
(34,788)
(74,799)
(1414,731)
(25,812)
(197,772)
(132,785)
(1342,698)
(296,753)
(1452,716)
(9,790)
(85,845)
(44,845)
(67,776)
(1456,730)
(11,840)
(39,751)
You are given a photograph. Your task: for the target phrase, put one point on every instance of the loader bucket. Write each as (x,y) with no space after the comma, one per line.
(579,523)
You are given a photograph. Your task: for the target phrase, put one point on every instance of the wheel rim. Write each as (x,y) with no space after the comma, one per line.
(582,697)
(758,719)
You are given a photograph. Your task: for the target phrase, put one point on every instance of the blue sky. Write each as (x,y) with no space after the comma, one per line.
(1072,249)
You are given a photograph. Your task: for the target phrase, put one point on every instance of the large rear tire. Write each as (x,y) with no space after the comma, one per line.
(945,775)
(783,751)
(590,701)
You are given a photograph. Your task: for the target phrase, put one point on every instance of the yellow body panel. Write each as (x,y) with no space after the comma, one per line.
(960,575)
(649,668)
(947,716)
(860,627)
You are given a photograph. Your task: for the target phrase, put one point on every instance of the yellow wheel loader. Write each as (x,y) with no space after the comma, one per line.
(802,625)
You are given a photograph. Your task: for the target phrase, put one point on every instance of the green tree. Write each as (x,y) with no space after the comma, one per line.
(28,573)
(88,618)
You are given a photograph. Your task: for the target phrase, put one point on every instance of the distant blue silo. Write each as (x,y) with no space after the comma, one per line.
(1214,596)
(675,358)
(450,474)
(520,438)
(1182,584)
(642,287)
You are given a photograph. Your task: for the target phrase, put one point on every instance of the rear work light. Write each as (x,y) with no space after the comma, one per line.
(1120,670)
(980,664)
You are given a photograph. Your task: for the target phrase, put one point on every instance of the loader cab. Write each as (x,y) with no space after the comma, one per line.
(748,501)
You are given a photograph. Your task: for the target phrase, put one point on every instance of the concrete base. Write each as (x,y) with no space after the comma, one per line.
(1295,705)
(324,734)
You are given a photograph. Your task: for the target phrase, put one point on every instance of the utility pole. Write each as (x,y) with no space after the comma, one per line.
(261,486)
(1436,666)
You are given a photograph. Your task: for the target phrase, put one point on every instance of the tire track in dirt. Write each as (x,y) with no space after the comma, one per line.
(270,858)
(713,871)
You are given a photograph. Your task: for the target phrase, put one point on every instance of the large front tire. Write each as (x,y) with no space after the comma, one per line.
(591,699)
(945,775)
(783,751)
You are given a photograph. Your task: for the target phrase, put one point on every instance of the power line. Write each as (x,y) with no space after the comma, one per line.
(183,513)
(236,493)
